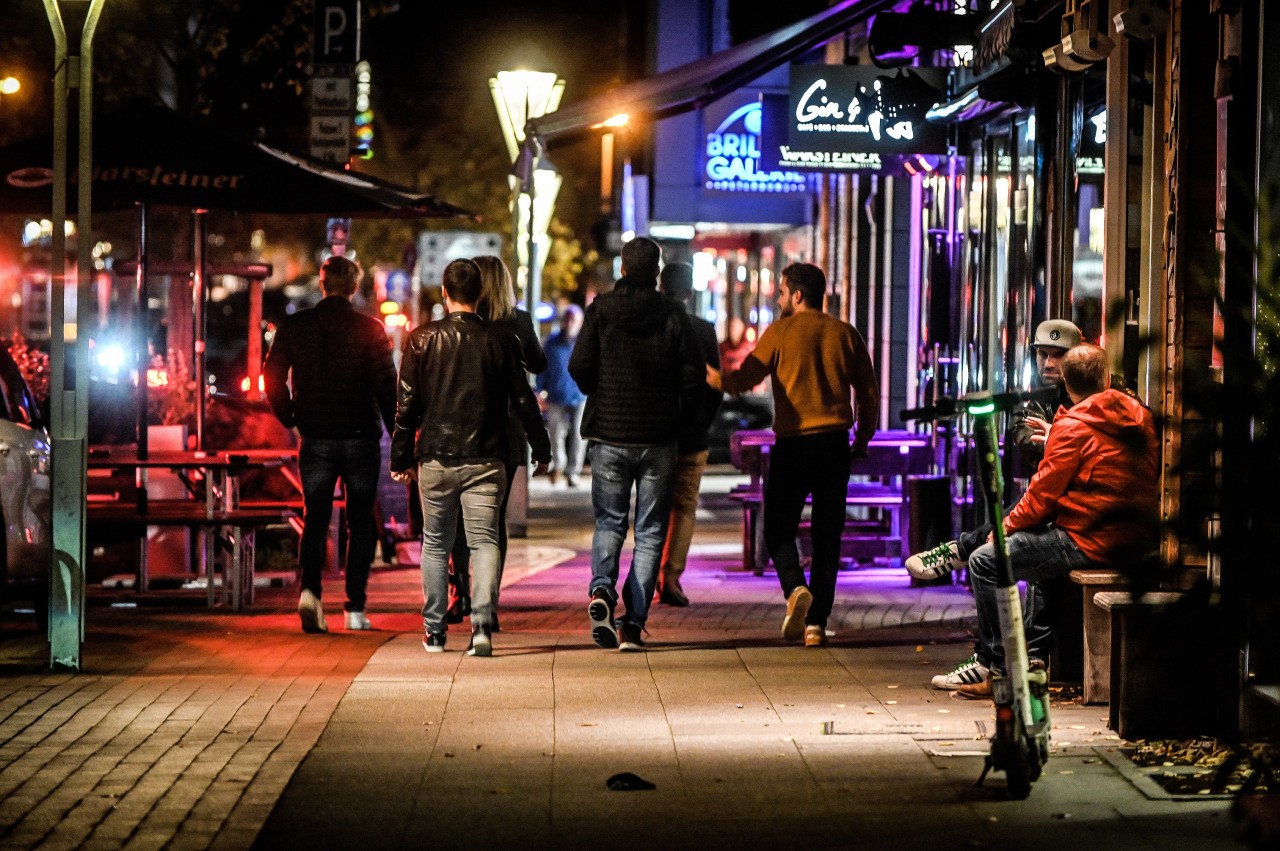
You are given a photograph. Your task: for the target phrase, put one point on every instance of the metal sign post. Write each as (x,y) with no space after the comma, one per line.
(69,360)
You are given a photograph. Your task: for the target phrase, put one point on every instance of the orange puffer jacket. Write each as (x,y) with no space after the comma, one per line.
(1099,478)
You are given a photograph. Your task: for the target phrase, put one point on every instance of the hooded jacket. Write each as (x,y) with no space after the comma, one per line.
(638,363)
(1098,480)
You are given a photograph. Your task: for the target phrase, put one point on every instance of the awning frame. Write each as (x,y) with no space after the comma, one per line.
(705,80)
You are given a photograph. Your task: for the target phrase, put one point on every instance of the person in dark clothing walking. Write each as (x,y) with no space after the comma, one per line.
(459,379)
(497,305)
(676,284)
(638,363)
(330,374)
(813,361)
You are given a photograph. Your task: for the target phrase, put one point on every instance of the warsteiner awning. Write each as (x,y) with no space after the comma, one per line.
(708,79)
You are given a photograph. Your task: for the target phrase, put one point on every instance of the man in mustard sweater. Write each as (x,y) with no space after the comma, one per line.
(812,361)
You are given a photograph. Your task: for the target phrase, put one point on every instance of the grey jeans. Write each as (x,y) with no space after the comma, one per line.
(475,490)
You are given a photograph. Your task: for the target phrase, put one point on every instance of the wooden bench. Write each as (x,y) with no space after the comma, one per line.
(876,483)
(228,538)
(1159,642)
(1096,631)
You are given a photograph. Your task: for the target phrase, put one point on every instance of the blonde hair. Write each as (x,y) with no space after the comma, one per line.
(497,293)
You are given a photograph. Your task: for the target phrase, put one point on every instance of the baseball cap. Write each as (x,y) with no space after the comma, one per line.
(1056,334)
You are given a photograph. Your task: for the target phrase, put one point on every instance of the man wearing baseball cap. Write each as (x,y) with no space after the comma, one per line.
(1031,423)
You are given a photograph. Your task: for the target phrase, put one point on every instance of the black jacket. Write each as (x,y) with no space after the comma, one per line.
(694,436)
(520,323)
(457,378)
(339,364)
(638,363)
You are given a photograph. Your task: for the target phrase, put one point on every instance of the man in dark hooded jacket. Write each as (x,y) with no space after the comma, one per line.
(638,363)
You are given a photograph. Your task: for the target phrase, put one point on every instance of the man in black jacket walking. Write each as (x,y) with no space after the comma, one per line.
(676,284)
(330,374)
(456,380)
(637,361)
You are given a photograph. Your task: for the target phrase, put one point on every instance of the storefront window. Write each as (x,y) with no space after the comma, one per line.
(1089,227)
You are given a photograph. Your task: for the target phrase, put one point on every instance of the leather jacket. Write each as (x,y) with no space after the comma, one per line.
(457,377)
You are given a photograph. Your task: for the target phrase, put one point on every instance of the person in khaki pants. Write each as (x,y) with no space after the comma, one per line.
(676,282)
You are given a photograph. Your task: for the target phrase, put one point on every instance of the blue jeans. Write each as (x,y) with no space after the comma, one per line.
(817,466)
(1039,611)
(615,471)
(564,422)
(322,461)
(1035,555)
(475,490)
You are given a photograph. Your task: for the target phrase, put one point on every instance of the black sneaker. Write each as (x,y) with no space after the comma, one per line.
(630,639)
(600,610)
(433,642)
(481,641)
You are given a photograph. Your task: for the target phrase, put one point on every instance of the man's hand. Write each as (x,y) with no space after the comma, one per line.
(713,378)
(541,457)
(1039,430)
(404,476)
(857,453)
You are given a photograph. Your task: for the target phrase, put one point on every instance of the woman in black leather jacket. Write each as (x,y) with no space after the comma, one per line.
(497,305)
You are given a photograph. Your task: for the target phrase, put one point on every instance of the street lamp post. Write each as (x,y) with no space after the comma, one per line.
(518,97)
(69,353)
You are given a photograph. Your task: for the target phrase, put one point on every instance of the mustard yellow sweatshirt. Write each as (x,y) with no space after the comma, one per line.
(812,360)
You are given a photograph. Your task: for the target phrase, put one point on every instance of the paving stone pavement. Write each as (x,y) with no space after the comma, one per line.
(195,729)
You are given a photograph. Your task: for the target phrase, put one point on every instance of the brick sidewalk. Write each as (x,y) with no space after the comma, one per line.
(183,727)
(195,729)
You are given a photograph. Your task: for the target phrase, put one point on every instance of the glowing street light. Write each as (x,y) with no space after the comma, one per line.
(9,85)
(518,97)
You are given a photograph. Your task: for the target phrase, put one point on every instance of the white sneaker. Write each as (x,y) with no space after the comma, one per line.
(358,621)
(311,612)
(967,673)
(934,563)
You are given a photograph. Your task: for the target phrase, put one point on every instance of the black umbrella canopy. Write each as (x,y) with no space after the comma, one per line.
(150,154)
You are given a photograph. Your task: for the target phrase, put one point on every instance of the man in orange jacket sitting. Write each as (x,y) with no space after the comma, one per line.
(1091,502)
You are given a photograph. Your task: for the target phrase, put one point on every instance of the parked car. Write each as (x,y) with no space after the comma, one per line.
(24,487)
(749,411)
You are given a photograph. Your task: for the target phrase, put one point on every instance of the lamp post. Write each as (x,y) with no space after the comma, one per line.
(519,96)
(69,353)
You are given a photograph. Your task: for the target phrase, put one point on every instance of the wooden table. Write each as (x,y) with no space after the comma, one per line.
(891,457)
(213,481)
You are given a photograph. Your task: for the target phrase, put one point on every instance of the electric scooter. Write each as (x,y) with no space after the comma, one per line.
(1020,744)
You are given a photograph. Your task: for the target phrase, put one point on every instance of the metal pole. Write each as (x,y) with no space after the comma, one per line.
(69,354)
(533,293)
(142,332)
(199,229)
(142,362)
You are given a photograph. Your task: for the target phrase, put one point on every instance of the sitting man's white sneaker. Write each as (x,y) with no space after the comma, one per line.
(968,673)
(311,612)
(358,621)
(934,563)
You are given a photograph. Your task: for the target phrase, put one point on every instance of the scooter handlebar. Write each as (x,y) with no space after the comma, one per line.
(948,407)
